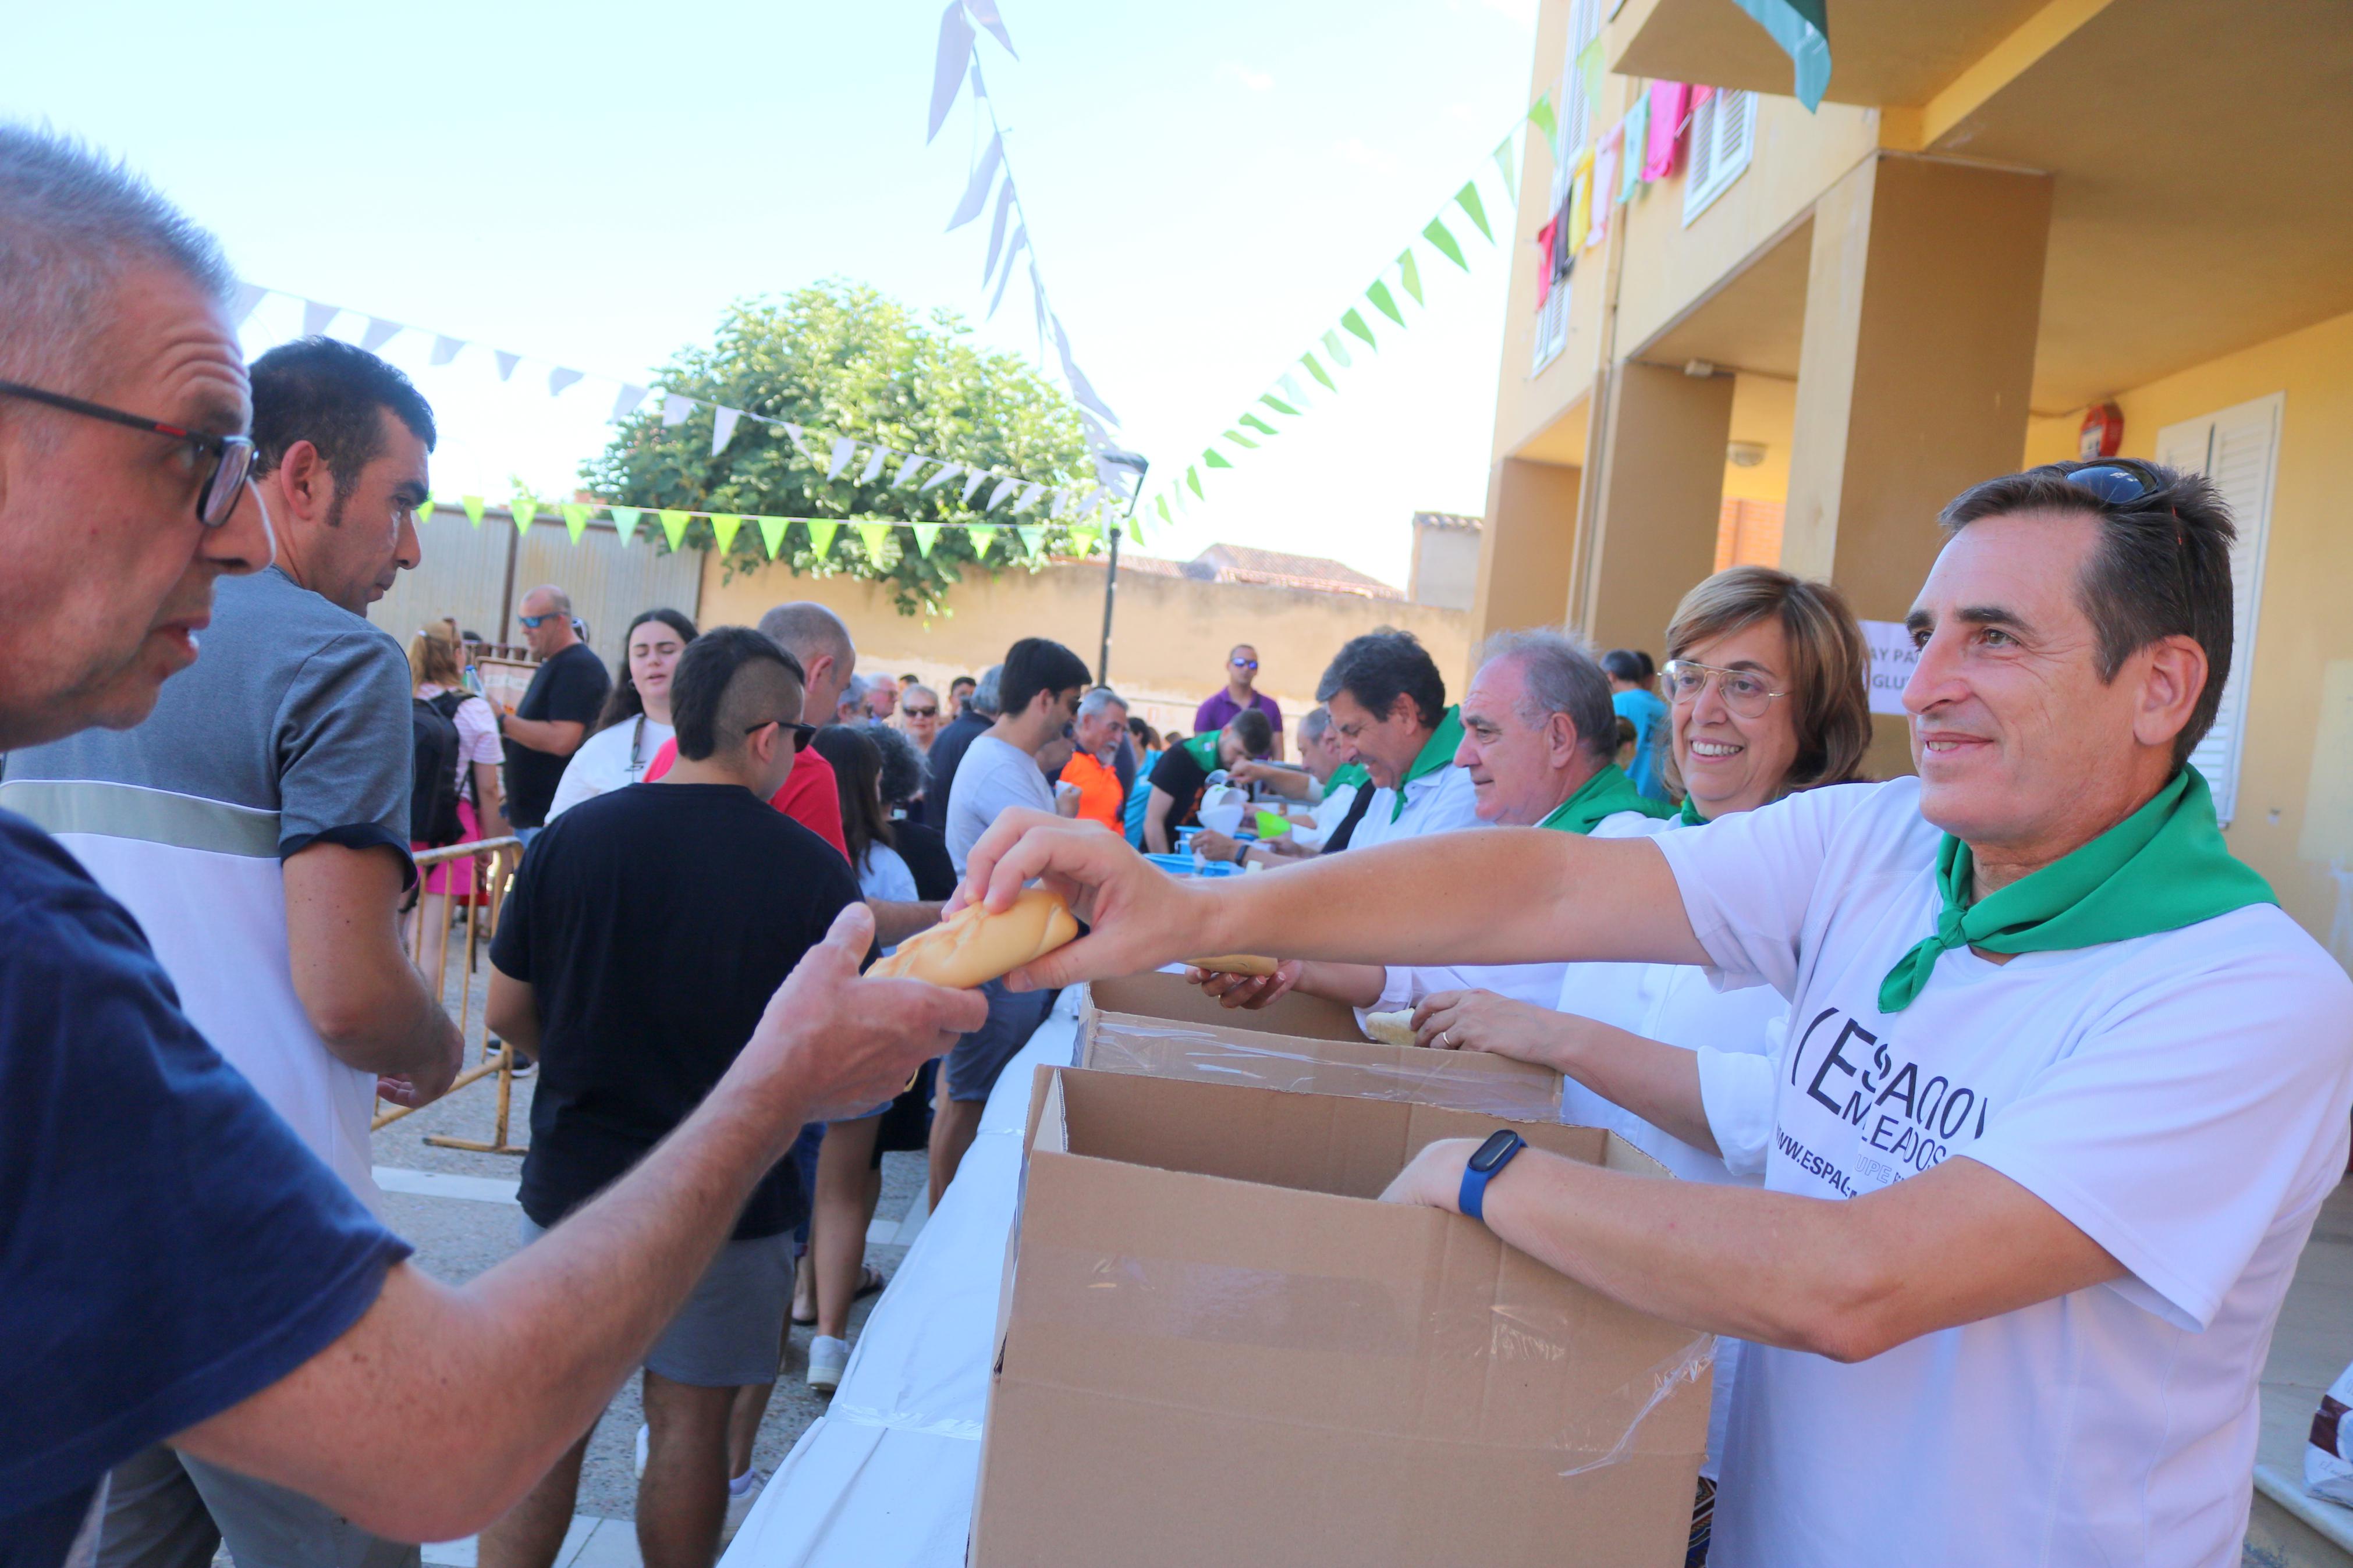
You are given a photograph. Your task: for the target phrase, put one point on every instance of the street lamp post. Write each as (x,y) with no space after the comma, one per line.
(1135,463)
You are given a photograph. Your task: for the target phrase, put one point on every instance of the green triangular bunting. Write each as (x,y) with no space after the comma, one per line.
(926,535)
(1355,322)
(1315,368)
(875,536)
(1165,516)
(1410,274)
(1214,459)
(523,509)
(1084,537)
(575,519)
(624,519)
(1255,423)
(1509,167)
(1338,350)
(1239,440)
(1468,199)
(772,535)
(982,535)
(1193,478)
(1278,405)
(474,507)
(1033,537)
(1540,116)
(821,536)
(674,526)
(1385,302)
(1439,234)
(724,527)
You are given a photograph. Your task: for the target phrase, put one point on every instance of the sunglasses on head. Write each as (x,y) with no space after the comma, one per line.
(2114,483)
(802,734)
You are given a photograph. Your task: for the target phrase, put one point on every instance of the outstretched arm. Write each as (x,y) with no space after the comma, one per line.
(1497,895)
(1656,1082)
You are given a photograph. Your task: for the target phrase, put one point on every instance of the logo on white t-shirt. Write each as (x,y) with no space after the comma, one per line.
(1906,1119)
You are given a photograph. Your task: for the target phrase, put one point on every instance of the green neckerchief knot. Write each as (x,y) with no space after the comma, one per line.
(2163,868)
(1606,794)
(1204,747)
(1689,815)
(1346,774)
(1437,753)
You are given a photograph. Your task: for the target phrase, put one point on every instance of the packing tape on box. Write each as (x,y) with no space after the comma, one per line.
(1215,1058)
(1137,1297)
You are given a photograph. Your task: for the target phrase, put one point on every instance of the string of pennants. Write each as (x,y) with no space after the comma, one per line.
(1334,350)
(834,450)
(876,536)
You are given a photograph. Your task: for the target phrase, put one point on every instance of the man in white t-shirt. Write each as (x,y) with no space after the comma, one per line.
(2063,1089)
(1038,698)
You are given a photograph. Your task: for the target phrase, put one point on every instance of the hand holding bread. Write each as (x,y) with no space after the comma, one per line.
(976,945)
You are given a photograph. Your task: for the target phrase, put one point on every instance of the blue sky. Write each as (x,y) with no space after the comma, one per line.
(1208,186)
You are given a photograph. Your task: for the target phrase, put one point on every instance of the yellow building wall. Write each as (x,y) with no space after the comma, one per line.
(2295,821)
(1169,639)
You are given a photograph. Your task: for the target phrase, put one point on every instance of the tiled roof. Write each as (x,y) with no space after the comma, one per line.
(1449,519)
(1245,563)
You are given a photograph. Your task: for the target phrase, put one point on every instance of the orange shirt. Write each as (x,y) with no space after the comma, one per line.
(1100,797)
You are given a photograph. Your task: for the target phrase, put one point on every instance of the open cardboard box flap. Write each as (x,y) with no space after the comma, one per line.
(1162,995)
(1190,1036)
(1215,1347)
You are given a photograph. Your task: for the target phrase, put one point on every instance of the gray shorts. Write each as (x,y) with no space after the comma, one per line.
(730,1332)
(164,1509)
(977,1058)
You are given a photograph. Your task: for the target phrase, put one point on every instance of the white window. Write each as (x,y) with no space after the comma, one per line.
(2238,449)
(1723,135)
(1573,118)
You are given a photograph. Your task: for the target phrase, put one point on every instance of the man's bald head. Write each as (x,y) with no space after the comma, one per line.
(817,638)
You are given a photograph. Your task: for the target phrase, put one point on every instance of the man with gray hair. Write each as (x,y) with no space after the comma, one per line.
(1539,737)
(1100,726)
(948,748)
(180,1266)
(549,724)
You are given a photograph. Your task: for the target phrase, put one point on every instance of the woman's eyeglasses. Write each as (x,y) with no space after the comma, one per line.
(232,456)
(1744,692)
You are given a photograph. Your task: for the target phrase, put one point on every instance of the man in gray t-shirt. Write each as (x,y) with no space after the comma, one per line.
(256,826)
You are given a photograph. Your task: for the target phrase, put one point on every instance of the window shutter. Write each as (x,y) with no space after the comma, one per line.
(1699,166)
(1723,138)
(1735,126)
(2238,449)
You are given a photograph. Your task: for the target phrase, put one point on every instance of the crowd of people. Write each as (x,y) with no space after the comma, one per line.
(2002,1095)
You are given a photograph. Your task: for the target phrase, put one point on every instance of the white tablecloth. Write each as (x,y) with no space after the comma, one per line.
(885,1477)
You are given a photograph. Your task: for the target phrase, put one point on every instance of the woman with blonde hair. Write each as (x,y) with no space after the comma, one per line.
(1765,679)
(436,671)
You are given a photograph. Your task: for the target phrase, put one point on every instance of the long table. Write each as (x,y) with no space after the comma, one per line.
(885,1476)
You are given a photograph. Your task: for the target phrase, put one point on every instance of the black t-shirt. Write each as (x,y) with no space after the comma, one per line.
(567,689)
(167,1245)
(1180,773)
(924,848)
(653,923)
(946,755)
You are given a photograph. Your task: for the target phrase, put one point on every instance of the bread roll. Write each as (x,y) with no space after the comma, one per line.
(1391,1028)
(1235,963)
(975,945)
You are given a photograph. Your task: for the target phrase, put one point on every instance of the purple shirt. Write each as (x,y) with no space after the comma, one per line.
(1219,712)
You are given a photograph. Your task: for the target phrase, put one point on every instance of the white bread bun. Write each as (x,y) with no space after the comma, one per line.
(975,945)
(1235,964)
(1391,1028)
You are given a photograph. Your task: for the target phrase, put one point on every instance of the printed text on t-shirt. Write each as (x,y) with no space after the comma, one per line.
(1909,1116)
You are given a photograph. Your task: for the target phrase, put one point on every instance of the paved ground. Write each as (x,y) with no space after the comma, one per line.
(462,1226)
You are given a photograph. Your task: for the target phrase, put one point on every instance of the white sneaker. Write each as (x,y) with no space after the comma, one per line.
(828,1357)
(741,1487)
(645,1437)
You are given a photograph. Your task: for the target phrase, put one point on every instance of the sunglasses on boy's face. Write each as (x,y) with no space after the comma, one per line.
(802,734)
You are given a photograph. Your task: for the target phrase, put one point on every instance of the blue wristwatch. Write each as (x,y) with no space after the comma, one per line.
(1491,1156)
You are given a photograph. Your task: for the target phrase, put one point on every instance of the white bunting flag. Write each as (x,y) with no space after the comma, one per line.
(1030,498)
(1291,393)
(948,69)
(799,444)
(997,229)
(909,469)
(983,176)
(1020,241)
(445,349)
(843,448)
(943,476)
(559,379)
(675,408)
(316,317)
(972,482)
(722,428)
(874,466)
(1081,388)
(997,497)
(985,13)
(248,295)
(379,332)
(507,363)
(625,403)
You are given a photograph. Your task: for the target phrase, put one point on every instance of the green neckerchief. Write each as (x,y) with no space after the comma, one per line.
(1606,794)
(1346,774)
(1204,747)
(1689,815)
(2163,868)
(1437,753)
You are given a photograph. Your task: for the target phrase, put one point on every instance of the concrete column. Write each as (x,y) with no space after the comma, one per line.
(1525,547)
(1923,298)
(1659,496)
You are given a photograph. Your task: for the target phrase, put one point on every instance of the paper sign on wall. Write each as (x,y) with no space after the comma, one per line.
(1892,659)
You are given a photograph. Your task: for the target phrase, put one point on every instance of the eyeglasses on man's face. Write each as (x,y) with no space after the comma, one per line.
(802,734)
(230,457)
(1744,691)
(919,712)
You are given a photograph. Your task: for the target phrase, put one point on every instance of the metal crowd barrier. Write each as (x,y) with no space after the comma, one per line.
(490,866)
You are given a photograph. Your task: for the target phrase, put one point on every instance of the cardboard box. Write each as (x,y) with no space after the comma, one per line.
(1214,1348)
(1172,996)
(1188,1035)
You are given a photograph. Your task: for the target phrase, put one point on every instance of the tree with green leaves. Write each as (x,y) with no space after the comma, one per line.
(840,358)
